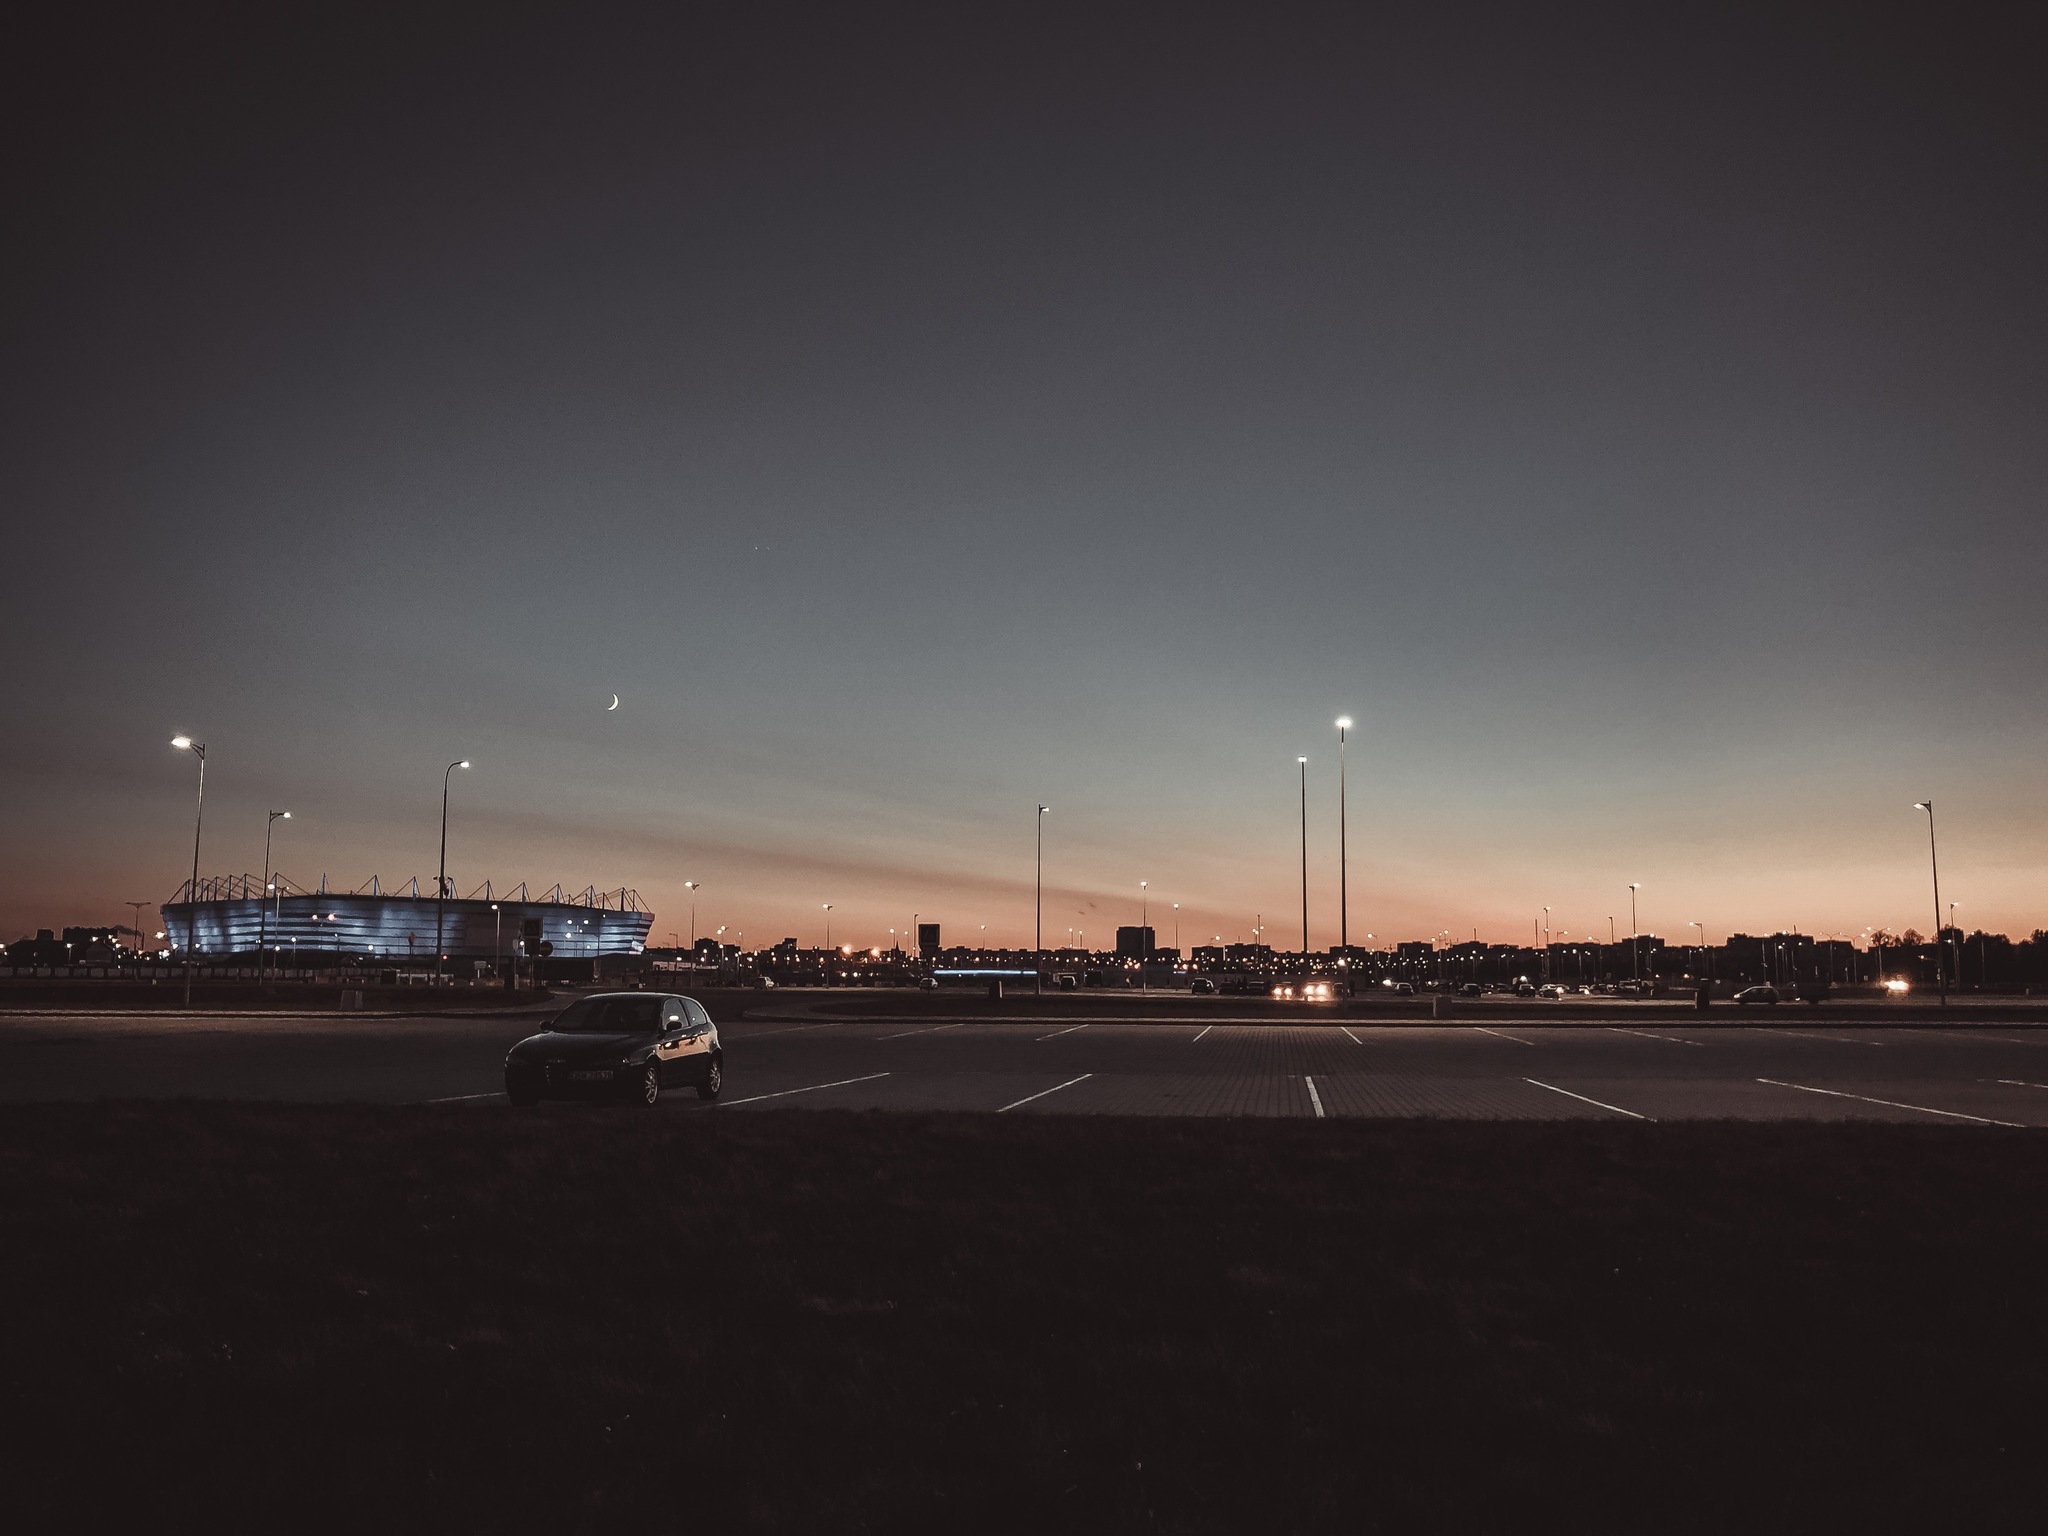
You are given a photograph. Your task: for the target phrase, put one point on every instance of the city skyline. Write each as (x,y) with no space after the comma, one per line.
(749,892)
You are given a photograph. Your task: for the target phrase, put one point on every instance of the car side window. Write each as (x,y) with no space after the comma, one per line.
(699,1019)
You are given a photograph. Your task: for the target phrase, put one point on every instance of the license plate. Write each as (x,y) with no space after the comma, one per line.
(591,1077)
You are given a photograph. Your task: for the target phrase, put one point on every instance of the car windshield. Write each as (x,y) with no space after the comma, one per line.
(611,1016)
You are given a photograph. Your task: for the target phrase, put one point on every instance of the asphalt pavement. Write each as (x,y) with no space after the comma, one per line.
(794,1054)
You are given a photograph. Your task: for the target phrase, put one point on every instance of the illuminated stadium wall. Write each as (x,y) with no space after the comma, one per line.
(400,927)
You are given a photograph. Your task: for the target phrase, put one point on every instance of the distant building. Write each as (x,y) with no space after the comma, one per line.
(1134,943)
(78,946)
(232,914)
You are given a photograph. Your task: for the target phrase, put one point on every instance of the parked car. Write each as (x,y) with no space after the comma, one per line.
(1068,981)
(1202,986)
(618,1045)
(763,983)
(1551,990)
(1758,994)
(1470,989)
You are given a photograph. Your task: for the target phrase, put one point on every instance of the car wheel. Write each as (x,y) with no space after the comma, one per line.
(650,1084)
(714,1079)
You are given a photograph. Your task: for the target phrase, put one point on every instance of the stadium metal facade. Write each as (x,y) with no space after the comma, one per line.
(232,915)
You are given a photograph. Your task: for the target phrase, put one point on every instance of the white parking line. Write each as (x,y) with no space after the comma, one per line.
(1617,1029)
(757,1098)
(932,1031)
(1499,1036)
(1584,1100)
(1205,1029)
(464,1098)
(1314,1097)
(1058,1032)
(1054,1089)
(2014,1038)
(795,1030)
(1831,1039)
(1354,1039)
(2010,1082)
(1892,1103)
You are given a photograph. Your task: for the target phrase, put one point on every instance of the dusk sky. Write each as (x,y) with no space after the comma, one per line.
(1635,420)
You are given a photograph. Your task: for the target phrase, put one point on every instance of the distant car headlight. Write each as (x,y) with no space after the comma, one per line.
(1896,987)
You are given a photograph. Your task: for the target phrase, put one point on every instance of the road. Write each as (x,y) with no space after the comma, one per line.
(794,1055)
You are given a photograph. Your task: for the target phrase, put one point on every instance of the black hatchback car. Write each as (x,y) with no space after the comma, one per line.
(611,1045)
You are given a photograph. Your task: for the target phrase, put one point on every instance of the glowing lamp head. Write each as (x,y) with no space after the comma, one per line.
(463,764)
(182,743)
(1343,722)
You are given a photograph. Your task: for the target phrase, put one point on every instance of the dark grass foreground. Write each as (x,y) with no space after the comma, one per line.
(359,1318)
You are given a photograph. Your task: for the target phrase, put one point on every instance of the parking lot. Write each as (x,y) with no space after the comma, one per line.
(795,1055)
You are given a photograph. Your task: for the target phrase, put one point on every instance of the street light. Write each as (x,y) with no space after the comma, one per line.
(1304,855)
(1635,948)
(691,886)
(1343,849)
(1038,911)
(264,913)
(1934,868)
(828,927)
(198,750)
(1703,948)
(441,880)
(1144,930)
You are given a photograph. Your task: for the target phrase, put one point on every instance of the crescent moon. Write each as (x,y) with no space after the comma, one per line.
(613,705)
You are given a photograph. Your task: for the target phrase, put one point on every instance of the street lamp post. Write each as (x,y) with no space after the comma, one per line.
(1934,868)
(1343,845)
(198,750)
(1038,912)
(441,880)
(691,886)
(1703,948)
(1635,945)
(1957,941)
(1546,943)
(1304,855)
(1144,932)
(828,931)
(263,915)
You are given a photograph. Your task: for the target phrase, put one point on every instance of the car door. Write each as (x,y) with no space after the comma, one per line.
(700,1038)
(670,1051)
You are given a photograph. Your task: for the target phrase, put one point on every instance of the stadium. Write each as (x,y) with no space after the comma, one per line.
(232,916)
